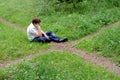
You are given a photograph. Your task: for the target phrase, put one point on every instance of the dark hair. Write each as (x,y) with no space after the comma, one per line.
(36,20)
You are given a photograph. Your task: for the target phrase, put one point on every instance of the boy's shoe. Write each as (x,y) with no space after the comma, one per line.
(63,40)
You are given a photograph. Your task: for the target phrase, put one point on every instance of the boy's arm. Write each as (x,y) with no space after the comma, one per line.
(44,34)
(40,32)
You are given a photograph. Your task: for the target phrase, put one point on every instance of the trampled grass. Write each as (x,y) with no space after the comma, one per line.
(57,66)
(60,18)
(14,43)
(107,44)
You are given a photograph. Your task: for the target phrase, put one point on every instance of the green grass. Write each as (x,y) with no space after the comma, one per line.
(107,44)
(14,43)
(17,11)
(61,18)
(65,21)
(57,66)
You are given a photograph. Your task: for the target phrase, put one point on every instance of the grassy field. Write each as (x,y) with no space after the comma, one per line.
(61,18)
(106,44)
(56,66)
(66,21)
(14,43)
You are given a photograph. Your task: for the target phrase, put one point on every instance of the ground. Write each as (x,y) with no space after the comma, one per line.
(68,46)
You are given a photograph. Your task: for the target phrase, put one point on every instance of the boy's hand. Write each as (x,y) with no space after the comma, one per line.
(46,36)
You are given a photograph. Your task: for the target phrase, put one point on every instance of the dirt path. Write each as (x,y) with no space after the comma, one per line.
(68,46)
(12,24)
(12,62)
(101,61)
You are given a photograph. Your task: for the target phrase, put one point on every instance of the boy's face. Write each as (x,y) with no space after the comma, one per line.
(37,25)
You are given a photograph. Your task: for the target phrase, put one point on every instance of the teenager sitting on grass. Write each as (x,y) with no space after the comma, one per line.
(35,33)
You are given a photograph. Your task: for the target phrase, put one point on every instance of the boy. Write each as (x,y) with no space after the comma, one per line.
(35,33)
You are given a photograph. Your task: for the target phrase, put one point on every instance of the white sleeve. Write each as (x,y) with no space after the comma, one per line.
(33,31)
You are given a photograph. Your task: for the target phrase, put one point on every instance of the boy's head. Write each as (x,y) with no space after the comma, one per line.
(36,21)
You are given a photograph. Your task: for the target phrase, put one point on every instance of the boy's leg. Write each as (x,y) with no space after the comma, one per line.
(41,39)
(55,38)
(52,36)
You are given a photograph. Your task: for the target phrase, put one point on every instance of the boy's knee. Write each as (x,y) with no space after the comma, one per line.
(49,32)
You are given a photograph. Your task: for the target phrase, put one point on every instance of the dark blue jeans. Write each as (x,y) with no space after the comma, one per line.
(50,34)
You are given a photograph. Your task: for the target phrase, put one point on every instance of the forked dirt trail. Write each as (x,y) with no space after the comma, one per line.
(69,47)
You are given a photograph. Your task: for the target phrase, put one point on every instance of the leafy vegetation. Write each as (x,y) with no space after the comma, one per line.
(57,66)
(14,43)
(63,18)
(107,44)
